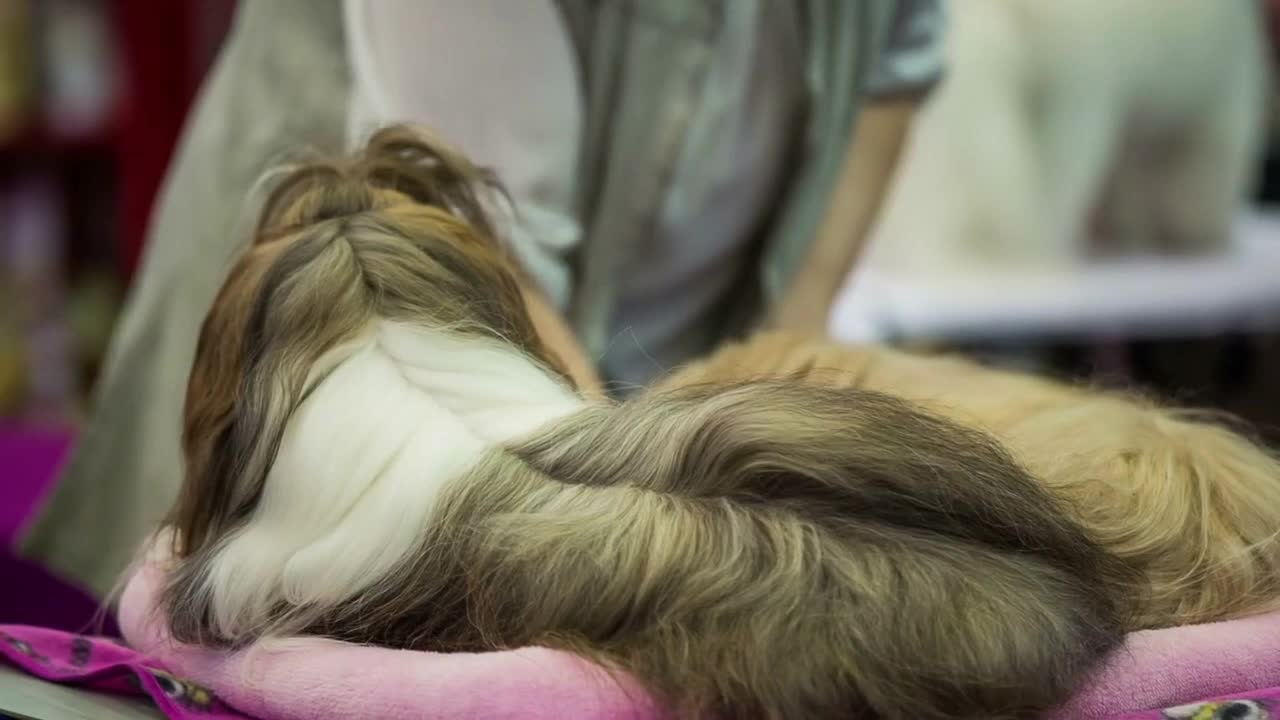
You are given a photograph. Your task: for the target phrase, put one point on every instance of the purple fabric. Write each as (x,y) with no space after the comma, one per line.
(46,601)
(29,462)
(101,665)
(30,458)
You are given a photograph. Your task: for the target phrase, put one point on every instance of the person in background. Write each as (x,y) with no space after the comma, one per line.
(680,172)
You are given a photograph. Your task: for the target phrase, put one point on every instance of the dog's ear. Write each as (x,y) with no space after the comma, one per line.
(214,387)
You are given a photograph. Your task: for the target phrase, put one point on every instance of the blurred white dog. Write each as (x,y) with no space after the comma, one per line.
(1069,127)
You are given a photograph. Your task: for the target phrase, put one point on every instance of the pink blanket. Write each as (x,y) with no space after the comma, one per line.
(308,678)
(1163,668)
(301,679)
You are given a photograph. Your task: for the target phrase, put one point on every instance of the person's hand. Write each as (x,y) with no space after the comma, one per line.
(805,309)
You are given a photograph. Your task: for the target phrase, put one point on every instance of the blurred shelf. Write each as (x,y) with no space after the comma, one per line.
(39,141)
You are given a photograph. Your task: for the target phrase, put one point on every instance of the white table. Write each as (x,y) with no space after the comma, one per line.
(1133,299)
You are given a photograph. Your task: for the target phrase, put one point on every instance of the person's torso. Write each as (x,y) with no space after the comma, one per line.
(724,183)
(519,110)
(498,81)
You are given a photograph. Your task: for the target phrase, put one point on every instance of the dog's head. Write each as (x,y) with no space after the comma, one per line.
(384,273)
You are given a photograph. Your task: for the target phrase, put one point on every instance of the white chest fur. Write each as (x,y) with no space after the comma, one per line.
(395,417)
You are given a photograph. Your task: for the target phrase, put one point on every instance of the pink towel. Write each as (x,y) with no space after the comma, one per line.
(307,678)
(1164,668)
(302,679)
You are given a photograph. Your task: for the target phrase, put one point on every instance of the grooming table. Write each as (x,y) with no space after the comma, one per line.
(28,698)
(1139,299)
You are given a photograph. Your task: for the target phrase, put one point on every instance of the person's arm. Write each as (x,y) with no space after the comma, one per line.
(911,65)
(560,340)
(869,164)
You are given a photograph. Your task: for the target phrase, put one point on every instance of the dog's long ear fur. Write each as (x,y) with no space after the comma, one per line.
(398,232)
(379,449)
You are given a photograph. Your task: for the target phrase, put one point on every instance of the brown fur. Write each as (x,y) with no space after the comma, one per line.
(750,549)
(1192,504)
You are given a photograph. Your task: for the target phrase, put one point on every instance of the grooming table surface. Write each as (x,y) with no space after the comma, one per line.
(30,698)
(1137,299)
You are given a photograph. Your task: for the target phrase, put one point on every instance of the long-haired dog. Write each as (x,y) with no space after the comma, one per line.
(1192,505)
(380,449)
(1064,130)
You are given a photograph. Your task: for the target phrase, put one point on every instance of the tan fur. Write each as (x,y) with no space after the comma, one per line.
(1193,504)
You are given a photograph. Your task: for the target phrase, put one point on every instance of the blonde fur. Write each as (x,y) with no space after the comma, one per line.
(380,449)
(1192,504)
